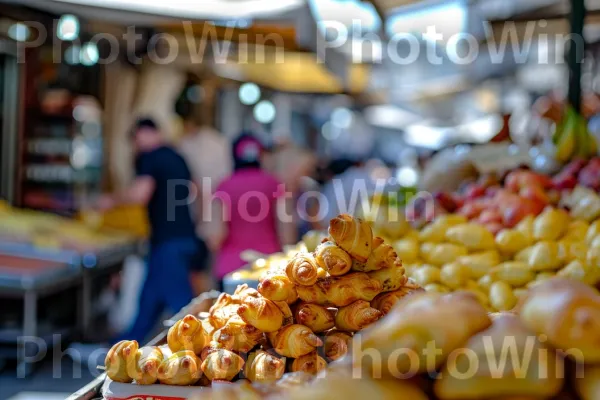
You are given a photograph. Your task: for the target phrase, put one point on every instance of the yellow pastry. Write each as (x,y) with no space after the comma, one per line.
(336,344)
(340,291)
(261,313)
(180,369)
(384,302)
(237,335)
(186,334)
(264,367)
(317,318)
(142,364)
(116,363)
(310,363)
(294,341)
(303,269)
(277,286)
(353,235)
(382,256)
(392,278)
(222,365)
(356,316)
(333,258)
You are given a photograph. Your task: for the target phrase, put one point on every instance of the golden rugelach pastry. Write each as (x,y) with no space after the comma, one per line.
(116,363)
(353,235)
(419,320)
(180,369)
(277,286)
(345,387)
(384,302)
(568,313)
(538,377)
(382,256)
(336,344)
(390,278)
(333,258)
(142,364)
(588,386)
(222,365)
(262,366)
(237,335)
(356,316)
(223,300)
(340,291)
(303,269)
(317,318)
(186,334)
(242,292)
(310,363)
(219,317)
(294,341)
(261,313)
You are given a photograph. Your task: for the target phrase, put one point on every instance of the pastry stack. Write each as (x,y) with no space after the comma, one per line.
(302,316)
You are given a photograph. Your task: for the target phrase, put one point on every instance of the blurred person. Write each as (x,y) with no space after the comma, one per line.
(163,181)
(244,210)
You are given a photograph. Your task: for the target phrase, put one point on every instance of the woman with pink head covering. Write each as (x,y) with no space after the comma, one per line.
(245,210)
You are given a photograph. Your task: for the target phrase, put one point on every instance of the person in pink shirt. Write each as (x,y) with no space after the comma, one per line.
(244,210)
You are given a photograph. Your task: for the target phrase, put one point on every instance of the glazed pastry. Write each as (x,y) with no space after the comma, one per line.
(116,363)
(242,292)
(303,269)
(537,377)
(384,302)
(310,363)
(568,313)
(276,286)
(223,300)
(238,336)
(264,367)
(294,341)
(356,316)
(220,316)
(317,318)
(261,313)
(208,330)
(382,256)
(286,311)
(390,278)
(447,321)
(336,344)
(142,364)
(222,365)
(186,334)
(180,369)
(353,235)
(341,291)
(333,258)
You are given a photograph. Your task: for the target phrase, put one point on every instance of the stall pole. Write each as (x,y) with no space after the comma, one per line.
(576,52)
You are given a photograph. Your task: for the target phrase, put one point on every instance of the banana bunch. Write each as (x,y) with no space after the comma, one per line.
(572,138)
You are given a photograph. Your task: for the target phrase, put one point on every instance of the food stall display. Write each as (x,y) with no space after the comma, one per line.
(301,316)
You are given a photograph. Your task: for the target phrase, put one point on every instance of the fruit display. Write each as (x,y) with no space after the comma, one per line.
(55,232)
(452,253)
(302,315)
(572,138)
(448,347)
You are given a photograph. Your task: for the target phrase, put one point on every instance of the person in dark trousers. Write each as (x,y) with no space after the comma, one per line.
(163,183)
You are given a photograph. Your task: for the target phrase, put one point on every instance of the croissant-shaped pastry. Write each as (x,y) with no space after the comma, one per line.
(242,292)
(286,311)
(180,369)
(382,256)
(390,278)
(336,344)
(186,334)
(294,341)
(264,367)
(142,364)
(384,302)
(447,321)
(333,258)
(341,291)
(356,316)
(116,363)
(261,313)
(220,316)
(568,313)
(277,286)
(238,336)
(223,300)
(222,365)
(353,235)
(310,363)
(317,318)
(303,269)
(538,377)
